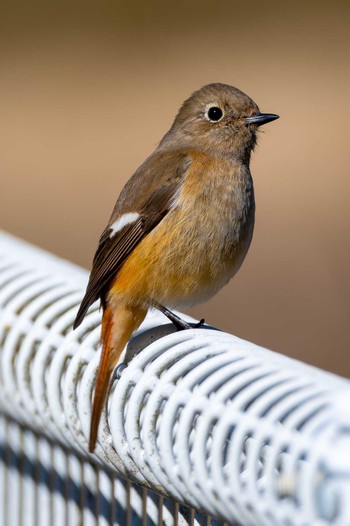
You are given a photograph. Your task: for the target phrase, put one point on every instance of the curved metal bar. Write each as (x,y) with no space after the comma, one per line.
(201,416)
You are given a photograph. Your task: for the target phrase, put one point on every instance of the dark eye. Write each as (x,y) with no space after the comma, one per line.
(214,114)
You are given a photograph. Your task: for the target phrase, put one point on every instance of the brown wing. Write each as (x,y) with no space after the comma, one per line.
(113,250)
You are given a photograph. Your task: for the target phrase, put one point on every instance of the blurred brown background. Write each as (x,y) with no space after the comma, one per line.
(87,91)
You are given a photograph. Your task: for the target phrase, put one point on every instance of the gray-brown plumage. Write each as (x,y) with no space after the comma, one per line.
(181,226)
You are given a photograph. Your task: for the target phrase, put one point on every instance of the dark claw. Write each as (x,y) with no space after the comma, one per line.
(180,324)
(119,370)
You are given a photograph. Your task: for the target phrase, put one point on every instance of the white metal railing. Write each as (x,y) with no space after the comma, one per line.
(200,417)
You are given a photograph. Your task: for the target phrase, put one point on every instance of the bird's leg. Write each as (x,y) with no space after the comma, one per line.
(179,323)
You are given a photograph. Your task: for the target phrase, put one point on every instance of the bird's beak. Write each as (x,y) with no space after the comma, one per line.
(261,118)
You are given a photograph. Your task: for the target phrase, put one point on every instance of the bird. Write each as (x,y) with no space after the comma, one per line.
(181,227)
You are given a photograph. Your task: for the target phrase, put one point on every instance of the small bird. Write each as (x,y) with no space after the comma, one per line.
(181,226)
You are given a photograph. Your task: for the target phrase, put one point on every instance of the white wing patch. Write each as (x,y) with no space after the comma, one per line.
(124,220)
(174,201)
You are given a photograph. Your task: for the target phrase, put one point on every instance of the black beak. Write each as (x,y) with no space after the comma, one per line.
(261,118)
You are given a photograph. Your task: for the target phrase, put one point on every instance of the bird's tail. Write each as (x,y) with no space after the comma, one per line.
(117,327)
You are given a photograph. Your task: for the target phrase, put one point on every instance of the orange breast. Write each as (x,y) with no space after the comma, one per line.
(197,247)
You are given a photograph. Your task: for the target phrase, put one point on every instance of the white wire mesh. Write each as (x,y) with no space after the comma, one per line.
(212,421)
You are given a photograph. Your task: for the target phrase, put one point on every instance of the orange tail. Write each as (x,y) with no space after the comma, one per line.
(114,340)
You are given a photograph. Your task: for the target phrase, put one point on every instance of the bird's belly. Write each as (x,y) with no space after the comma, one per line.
(183,262)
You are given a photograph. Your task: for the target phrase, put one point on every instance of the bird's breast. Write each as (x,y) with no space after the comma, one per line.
(216,207)
(201,242)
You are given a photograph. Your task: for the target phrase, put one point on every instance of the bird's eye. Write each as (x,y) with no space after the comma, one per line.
(214,114)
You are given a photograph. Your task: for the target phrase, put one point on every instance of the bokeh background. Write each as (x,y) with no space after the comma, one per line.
(88,89)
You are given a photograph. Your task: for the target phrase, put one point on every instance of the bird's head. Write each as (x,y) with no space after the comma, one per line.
(219,119)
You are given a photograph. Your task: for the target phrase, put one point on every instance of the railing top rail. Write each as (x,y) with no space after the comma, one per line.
(211,420)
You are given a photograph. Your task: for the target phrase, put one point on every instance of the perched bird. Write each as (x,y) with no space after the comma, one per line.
(181,226)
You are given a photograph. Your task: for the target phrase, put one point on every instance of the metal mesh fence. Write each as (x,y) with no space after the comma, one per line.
(210,421)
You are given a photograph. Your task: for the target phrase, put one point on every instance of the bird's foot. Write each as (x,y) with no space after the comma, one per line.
(180,324)
(118,371)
